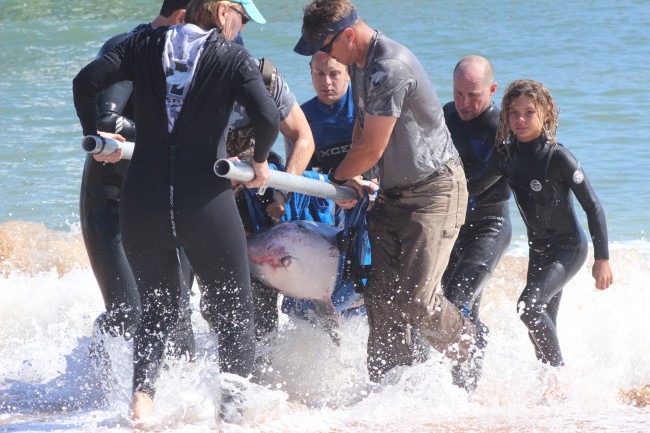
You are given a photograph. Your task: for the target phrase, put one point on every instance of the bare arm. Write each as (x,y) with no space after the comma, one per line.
(295,128)
(299,145)
(368,146)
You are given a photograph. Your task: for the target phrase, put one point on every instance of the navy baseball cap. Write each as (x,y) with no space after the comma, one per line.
(309,48)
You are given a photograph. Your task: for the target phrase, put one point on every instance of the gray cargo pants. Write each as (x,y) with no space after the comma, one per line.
(412,232)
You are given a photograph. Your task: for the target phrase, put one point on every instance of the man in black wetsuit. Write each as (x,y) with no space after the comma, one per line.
(101,185)
(188,78)
(472,119)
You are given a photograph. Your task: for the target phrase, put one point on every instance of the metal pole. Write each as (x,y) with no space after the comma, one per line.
(97,145)
(243,172)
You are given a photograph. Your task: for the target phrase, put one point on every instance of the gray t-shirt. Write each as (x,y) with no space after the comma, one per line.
(395,84)
(284,99)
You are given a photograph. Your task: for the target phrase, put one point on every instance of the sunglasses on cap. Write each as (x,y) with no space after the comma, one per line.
(327,48)
(244,18)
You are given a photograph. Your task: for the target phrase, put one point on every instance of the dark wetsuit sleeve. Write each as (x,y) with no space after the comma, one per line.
(112,102)
(263,114)
(487,177)
(95,77)
(573,175)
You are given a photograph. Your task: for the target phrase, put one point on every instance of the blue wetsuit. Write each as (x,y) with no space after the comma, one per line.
(487,231)
(542,176)
(331,126)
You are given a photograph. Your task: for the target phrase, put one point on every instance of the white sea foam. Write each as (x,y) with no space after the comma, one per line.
(310,385)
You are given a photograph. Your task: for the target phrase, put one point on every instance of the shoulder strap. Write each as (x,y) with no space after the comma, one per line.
(269,75)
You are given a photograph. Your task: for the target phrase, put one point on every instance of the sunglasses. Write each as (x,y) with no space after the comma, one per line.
(244,18)
(327,48)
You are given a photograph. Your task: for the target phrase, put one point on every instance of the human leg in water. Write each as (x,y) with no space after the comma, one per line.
(181,342)
(549,270)
(480,245)
(552,310)
(100,227)
(153,253)
(266,308)
(218,255)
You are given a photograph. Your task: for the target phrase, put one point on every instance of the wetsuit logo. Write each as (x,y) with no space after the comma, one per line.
(578,176)
(535,185)
(334,151)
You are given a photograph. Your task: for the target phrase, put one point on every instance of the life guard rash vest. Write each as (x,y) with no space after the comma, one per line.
(474,140)
(332,127)
(394,83)
(542,176)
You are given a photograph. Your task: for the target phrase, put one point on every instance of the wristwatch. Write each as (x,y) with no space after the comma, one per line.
(330,175)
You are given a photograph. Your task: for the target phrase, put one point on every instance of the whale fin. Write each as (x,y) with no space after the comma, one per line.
(327,318)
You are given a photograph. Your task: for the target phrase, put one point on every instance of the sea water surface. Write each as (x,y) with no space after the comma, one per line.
(591,55)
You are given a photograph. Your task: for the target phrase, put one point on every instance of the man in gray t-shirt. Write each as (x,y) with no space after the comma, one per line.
(423,197)
(393,84)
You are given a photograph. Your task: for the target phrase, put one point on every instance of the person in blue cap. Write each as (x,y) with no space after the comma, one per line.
(422,198)
(188,78)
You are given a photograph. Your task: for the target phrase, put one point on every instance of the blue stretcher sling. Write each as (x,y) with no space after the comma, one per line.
(353,242)
(354,266)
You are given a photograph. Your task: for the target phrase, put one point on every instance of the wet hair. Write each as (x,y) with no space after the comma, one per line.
(320,13)
(544,105)
(203,13)
(169,6)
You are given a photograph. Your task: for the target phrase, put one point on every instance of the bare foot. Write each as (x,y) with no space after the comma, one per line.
(142,407)
(558,386)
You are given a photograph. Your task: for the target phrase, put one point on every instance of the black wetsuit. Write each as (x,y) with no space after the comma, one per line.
(542,176)
(487,231)
(171,196)
(101,185)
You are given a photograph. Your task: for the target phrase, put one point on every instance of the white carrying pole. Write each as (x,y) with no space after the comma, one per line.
(97,145)
(243,172)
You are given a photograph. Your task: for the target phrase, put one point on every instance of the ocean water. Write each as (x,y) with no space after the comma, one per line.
(591,55)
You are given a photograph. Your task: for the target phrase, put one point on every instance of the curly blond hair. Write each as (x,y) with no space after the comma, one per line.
(544,105)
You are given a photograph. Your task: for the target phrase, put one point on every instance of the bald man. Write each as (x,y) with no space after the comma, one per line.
(472,120)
